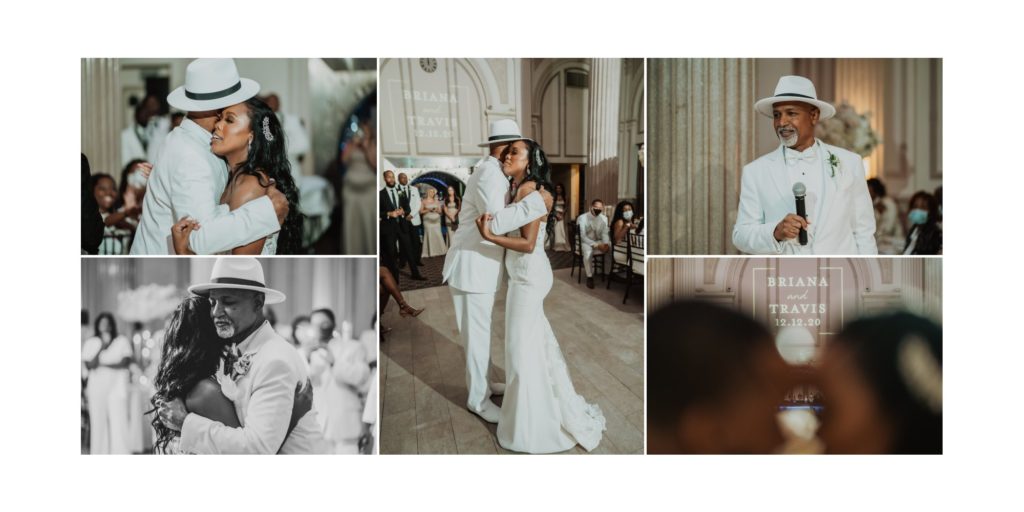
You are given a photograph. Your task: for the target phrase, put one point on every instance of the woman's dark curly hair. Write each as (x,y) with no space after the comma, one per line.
(877,345)
(620,209)
(192,352)
(933,205)
(539,170)
(267,159)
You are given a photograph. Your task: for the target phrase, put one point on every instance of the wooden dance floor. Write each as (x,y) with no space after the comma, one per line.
(422,367)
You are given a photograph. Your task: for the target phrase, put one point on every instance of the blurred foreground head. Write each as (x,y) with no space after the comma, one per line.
(882,384)
(714,382)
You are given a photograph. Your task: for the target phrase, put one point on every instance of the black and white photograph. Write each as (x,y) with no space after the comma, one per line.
(229,355)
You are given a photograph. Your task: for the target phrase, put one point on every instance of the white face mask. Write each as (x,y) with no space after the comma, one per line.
(627,214)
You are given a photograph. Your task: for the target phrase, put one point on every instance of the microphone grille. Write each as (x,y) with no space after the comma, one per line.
(799,189)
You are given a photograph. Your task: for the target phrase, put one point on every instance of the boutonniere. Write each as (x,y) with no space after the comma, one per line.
(233,366)
(238,364)
(833,161)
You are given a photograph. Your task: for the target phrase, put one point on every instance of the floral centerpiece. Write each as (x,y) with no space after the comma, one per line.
(147,302)
(849,130)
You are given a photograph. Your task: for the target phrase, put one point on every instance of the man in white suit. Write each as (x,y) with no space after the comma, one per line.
(263,378)
(188,179)
(473,267)
(840,219)
(594,237)
(143,138)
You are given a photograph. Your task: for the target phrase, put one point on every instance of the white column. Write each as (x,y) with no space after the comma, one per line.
(602,173)
(630,127)
(101,115)
(913,127)
(659,283)
(701,133)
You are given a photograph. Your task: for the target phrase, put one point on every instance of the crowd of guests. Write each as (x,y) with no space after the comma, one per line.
(598,237)
(717,384)
(414,224)
(918,231)
(118,371)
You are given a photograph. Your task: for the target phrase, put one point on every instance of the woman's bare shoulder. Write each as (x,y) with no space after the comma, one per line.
(204,392)
(247,188)
(525,189)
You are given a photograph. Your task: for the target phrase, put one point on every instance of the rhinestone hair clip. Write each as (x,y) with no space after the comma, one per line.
(266,130)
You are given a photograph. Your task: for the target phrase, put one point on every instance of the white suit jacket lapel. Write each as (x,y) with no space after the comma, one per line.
(829,186)
(780,178)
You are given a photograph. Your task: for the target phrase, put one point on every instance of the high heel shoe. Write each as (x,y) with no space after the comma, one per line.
(407,310)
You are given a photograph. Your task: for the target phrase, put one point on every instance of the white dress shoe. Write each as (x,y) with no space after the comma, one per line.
(497,388)
(489,411)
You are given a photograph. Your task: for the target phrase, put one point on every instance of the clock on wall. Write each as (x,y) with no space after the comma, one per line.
(428,65)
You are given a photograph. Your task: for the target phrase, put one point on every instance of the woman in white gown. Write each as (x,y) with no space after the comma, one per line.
(250,138)
(541,412)
(430,212)
(108,357)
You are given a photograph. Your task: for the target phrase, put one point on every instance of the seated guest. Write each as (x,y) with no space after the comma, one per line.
(888,228)
(714,382)
(622,221)
(925,236)
(594,239)
(119,222)
(881,383)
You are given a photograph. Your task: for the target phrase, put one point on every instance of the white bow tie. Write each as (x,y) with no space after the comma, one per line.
(808,155)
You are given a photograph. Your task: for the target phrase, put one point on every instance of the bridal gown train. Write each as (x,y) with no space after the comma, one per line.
(541,412)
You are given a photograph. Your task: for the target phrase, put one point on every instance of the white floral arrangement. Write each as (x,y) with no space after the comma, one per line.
(849,130)
(147,302)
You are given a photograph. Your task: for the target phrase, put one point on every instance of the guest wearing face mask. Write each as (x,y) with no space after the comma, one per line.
(622,221)
(594,239)
(925,236)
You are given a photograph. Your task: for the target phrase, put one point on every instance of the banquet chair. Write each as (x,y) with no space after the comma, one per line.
(635,271)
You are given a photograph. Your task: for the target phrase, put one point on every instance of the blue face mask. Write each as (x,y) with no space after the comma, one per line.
(917,216)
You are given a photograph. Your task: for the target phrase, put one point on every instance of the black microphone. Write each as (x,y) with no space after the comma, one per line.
(799,190)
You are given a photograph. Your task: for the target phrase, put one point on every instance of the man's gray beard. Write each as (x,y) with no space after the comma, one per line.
(791,141)
(226,332)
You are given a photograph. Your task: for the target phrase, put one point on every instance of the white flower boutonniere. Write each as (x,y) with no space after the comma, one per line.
(833,161)
(241,366)
(233,366)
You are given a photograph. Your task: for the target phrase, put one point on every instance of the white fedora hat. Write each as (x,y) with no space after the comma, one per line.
(795,88)
(501,131)
(212,84)
(238,274)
